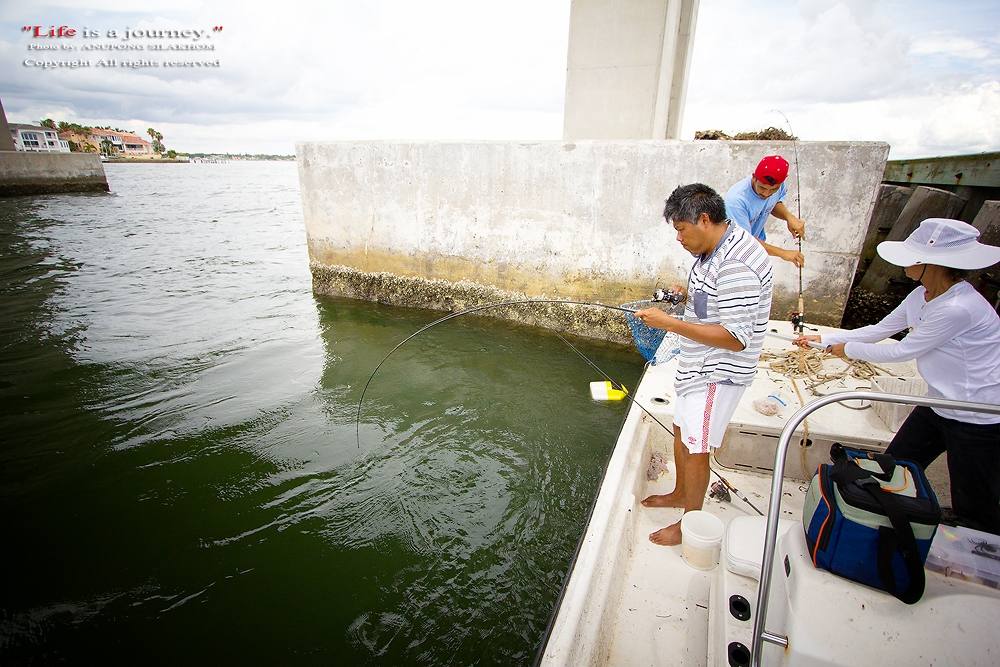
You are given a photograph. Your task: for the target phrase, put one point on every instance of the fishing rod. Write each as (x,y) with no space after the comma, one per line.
(614,382)
(798,318)
(790,339)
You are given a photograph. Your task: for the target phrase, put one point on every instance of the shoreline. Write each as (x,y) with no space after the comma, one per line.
(145,161)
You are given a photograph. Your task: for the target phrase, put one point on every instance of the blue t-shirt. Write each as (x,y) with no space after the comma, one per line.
(748,209)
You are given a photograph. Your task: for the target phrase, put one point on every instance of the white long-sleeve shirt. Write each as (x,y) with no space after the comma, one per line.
(955,339)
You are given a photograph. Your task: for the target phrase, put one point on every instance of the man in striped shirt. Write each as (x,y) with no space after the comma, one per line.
(721,335)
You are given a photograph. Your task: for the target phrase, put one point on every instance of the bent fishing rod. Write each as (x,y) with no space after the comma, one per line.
(614,382)
(451,316)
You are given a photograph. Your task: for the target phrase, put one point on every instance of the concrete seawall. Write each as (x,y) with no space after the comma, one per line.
(449,226)
(43,173)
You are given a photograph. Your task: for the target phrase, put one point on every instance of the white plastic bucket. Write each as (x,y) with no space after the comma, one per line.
(701,539)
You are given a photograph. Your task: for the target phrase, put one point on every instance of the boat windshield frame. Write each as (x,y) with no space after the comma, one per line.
(760,634)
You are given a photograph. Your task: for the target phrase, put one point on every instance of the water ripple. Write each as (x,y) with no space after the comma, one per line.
(180,459)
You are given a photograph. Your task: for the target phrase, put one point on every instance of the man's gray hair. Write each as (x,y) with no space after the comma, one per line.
(687,202)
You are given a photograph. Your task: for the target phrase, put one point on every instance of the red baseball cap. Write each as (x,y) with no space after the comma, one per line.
(772,170)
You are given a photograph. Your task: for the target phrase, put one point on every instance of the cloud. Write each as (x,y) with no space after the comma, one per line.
(953,45)
(827,53)
(942,127)
(849,70)
(899,71)
(443,69)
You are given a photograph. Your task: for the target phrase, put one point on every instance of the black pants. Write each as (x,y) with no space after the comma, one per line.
(973,462)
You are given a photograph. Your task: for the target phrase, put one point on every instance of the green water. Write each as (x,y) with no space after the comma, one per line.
(179,476)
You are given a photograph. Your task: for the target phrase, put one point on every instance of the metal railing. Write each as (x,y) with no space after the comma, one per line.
(760,634)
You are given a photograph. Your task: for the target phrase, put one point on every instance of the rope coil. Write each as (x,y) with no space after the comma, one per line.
(808,364)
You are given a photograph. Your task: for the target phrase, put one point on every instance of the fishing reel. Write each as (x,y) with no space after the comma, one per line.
(798,321)
(720,492)
(673,297)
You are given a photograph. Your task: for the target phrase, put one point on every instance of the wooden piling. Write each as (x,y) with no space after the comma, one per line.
(889,203)
(923,203)
(987,221)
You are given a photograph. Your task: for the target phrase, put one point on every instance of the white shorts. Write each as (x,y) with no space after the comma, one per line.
(703,415)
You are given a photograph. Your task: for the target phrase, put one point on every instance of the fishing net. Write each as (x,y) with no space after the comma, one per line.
(648,340)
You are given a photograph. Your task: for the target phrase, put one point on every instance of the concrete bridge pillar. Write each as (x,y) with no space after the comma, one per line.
(6,141)
(627,68)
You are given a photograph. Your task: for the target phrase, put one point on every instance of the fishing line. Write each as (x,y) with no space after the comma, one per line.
(450,316)
(614,382)
(798,211)
(639,405)
(795,148)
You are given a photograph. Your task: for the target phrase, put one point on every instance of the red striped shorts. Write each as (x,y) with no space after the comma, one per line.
(702,415)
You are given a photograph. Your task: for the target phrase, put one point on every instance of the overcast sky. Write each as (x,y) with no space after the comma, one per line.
(923,76)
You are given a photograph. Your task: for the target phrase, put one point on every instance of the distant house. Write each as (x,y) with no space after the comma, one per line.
(35,138)
(123,143)
(79,141)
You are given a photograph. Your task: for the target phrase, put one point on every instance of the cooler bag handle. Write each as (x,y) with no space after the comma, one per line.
(841,455)
(898,538)
(887,463)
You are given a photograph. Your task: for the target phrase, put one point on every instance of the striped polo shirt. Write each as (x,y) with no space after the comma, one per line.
(736,283)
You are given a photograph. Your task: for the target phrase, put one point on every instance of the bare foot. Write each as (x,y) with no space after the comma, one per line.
(665,500)
(667,537)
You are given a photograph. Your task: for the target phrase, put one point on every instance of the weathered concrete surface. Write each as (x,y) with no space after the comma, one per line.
(627,68)
(580,220)
(451,296)
(6,141)
(41,173)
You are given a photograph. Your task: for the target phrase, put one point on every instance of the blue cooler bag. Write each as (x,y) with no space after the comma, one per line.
(871,519)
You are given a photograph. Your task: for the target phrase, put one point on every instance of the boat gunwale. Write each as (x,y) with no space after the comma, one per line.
(550,626)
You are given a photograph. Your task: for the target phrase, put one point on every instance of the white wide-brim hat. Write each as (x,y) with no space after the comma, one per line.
(944,242)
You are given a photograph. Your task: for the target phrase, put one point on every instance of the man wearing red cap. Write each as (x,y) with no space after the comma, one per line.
(749,202)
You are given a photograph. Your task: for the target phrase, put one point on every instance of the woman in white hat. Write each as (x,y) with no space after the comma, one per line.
(954,336)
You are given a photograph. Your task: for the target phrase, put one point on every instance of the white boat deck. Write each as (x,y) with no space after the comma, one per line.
(860,426)
(752,436)
(663,613)
(631,602)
